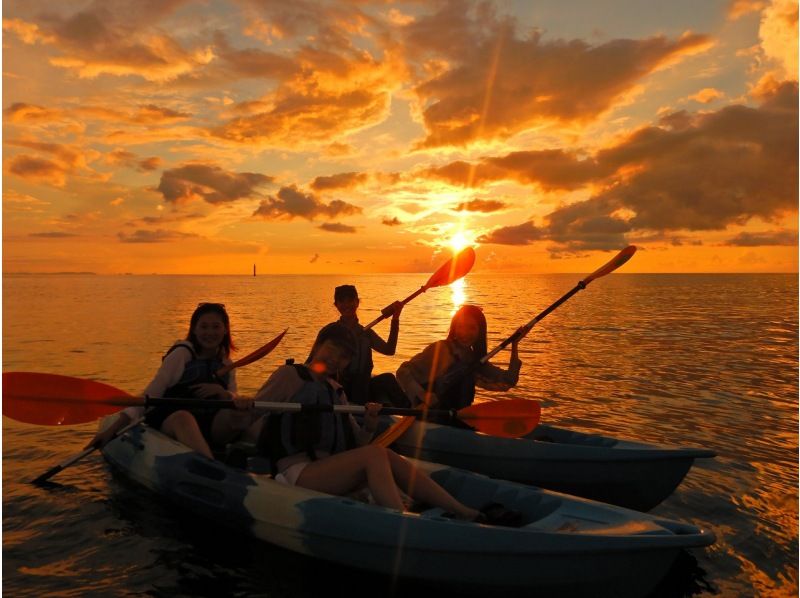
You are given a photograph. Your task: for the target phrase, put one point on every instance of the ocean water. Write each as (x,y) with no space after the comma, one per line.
(692,360)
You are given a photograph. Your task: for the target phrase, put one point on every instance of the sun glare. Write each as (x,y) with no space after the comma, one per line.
(458,294)
(459,241)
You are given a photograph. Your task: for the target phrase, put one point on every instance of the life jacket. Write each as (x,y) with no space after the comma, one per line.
(196,371)
(287,434)
(455,388)
(356,376)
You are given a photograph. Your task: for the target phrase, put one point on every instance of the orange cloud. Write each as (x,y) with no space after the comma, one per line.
(209,183)
(290,202)
(496,84)
(481,205)
(707,95)
(343,180)
(778,34)
(21,112)
(739,8)
(295,119)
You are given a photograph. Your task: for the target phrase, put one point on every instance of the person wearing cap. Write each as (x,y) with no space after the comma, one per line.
(356,378)
(339,467)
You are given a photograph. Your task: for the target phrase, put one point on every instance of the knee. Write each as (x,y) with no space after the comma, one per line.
(375,453)
(181,420)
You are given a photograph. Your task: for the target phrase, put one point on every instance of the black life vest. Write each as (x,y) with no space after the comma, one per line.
(455,388)
(196,371)
(308,431)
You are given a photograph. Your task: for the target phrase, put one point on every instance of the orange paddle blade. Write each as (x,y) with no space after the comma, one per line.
(453,269)
(254,356)
(619,259)
(53,400)
(509,419)
(395,431)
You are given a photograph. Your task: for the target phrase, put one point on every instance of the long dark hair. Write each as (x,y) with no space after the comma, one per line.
(476,313)
(227,345)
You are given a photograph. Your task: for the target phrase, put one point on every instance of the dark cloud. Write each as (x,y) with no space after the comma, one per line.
(481,205)
(696,172)
(154,236)
(54,235)
(394,221)
(336,227)
(761,239)
(314,258)
(209,183)
(118,38)
(122,157)
(343,180)
(253,62)
(530,81)
(521,234)
(290,202)
(38,169)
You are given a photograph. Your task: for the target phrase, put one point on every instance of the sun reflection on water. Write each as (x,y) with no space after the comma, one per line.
(458,290)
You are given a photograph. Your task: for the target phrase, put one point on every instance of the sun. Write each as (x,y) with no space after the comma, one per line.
(459,241)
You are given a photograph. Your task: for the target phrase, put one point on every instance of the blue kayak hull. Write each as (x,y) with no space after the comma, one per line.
(568,546)
(634,475)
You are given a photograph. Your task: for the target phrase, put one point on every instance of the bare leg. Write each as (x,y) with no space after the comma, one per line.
(420,486)
(229,424)
(344,472)
(182,426)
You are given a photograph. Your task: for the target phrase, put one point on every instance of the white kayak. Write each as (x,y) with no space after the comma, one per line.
(631,474)
(566,545)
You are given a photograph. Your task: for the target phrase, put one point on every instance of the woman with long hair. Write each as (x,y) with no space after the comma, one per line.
(444,375)
(191,368)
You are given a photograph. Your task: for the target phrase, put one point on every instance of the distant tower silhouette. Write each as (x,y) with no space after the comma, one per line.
(254,269)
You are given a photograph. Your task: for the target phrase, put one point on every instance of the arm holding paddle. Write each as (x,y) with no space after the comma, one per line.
(491,377)
(388,346)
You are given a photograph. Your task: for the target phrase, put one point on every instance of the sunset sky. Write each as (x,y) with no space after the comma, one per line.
(191,136)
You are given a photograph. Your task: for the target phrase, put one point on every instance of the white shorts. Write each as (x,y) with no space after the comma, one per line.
(289,475)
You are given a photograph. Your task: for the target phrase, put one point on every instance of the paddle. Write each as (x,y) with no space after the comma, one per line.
(78,456)
(254,356)
(80,401)
(456,267)
(619,259)
(24,384)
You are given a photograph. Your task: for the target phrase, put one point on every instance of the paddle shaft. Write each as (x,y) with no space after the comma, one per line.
(389,309)
(456,267)
(615,262)
(77,457)
(279,406)
(519,335)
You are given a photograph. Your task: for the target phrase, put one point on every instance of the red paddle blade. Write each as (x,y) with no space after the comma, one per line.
(53,400)
(254,356)
(453,269)
(619,259)
(509,419)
